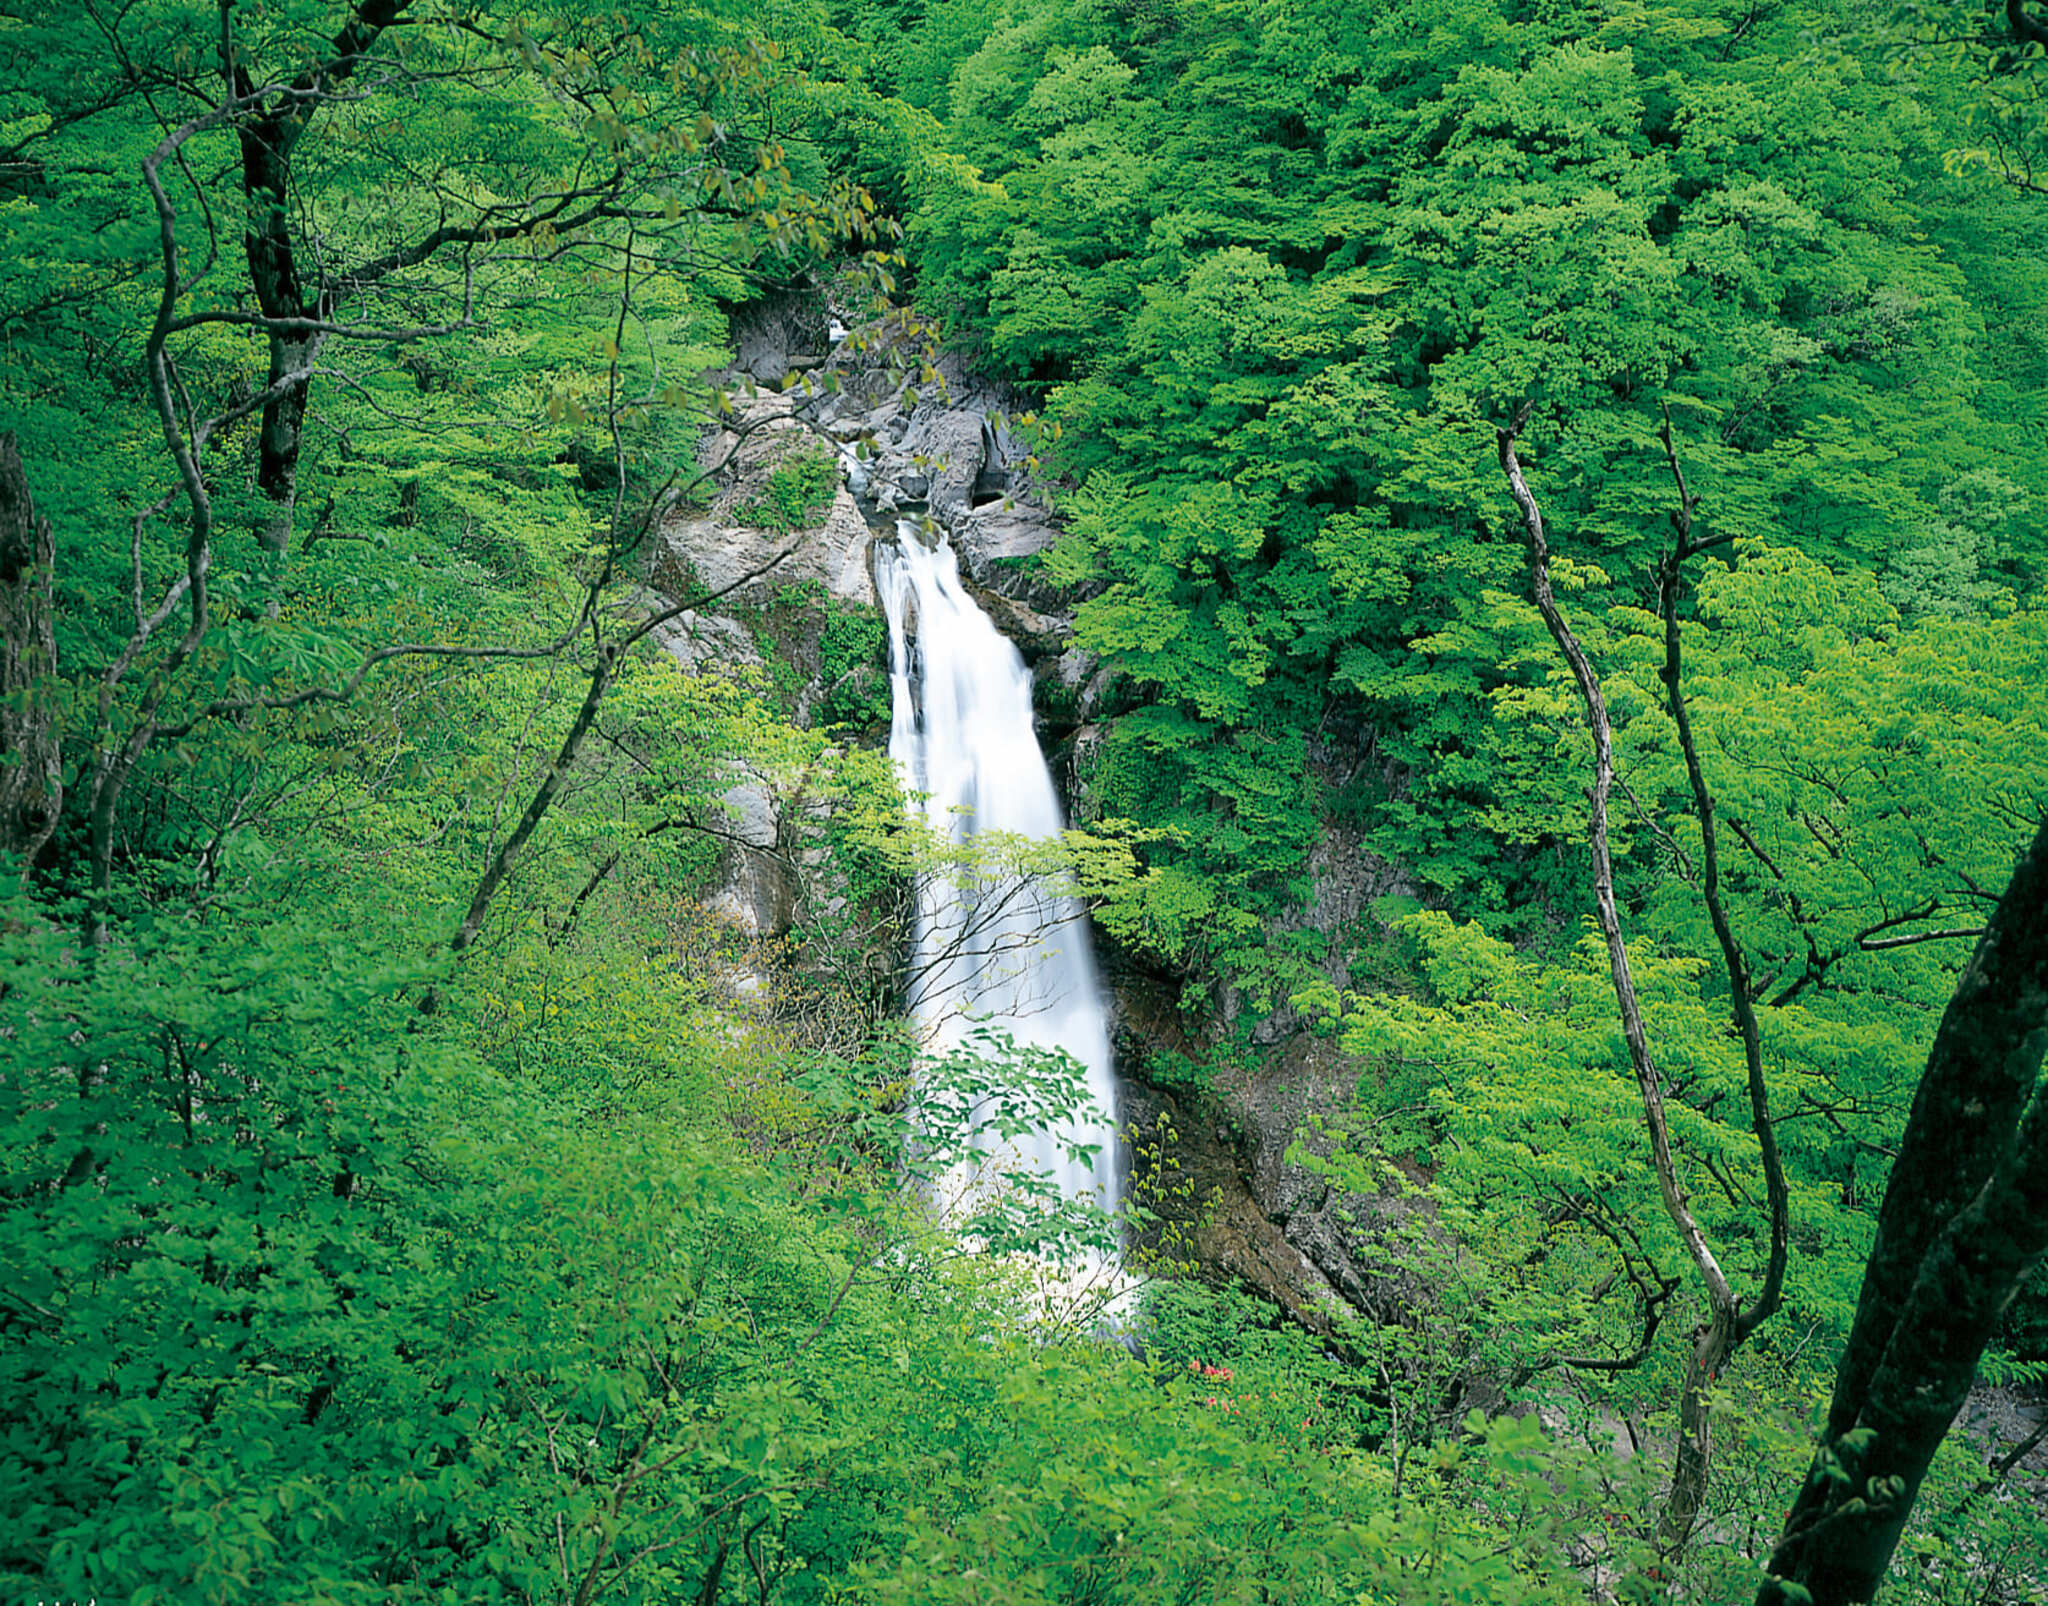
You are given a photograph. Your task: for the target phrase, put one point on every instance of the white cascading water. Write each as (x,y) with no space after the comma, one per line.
(1014,958)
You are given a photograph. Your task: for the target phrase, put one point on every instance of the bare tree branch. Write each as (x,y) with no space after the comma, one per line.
(1688,1482)
(1742,992)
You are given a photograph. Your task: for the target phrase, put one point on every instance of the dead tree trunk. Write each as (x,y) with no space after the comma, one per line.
(31,769)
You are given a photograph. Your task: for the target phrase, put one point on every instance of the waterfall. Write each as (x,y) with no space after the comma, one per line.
(1009,955)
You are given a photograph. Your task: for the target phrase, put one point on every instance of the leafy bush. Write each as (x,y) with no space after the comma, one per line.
(795,496)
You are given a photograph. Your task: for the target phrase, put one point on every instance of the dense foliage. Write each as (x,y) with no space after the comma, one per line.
(410,1192)
(1281,271)
(1279,274)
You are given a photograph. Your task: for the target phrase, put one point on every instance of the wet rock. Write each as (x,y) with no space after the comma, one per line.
(1300,1096)
(1036,635)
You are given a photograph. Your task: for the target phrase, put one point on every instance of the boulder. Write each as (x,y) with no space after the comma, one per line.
(767,333)
(721,552)
(1012,527)
(708,643)
(756,890)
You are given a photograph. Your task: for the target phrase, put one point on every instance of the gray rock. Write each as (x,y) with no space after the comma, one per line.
(1089,704)
(753,813)
(1188,1173)
(949,441)
(705,643)
(755,890)
(1083,758)
(722,553)
(876,385)
(1074,668)
(765,333)
(844,544)
(1010,528)
(763,351)
(718,552)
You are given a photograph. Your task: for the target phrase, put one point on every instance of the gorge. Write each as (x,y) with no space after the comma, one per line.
(635,644)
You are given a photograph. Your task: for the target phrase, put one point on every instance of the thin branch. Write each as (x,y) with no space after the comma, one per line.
(1871,945)
(316,326)
(603,670)
(1743,835)
(1742,993)
(1655,827)
(2013,1457)
(825,1321)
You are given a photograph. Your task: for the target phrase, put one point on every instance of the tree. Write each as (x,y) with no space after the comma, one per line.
(1964,1220)
(390,255)
(1731,1319)
(32,781)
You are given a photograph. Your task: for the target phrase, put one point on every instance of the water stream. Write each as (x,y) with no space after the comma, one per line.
(1007,954)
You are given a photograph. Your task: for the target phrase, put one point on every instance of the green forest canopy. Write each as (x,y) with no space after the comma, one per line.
(396,1208)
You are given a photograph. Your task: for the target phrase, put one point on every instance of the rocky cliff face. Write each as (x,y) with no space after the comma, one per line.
(1212,1164)
(903,450)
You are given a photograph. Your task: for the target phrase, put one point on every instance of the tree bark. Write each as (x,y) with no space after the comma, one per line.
(31,768)
(1964,1220)
(1964,1120)
(1712,1344)
(274,276)
(266,145)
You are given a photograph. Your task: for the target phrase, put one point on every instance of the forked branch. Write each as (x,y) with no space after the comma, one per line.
(1727,1323)
(1641,1061)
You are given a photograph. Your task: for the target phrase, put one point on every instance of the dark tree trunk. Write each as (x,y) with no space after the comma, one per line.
(601,676)
(1964,1220)
(31,771)
(274,275)
(266,142)
(1965,1114)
